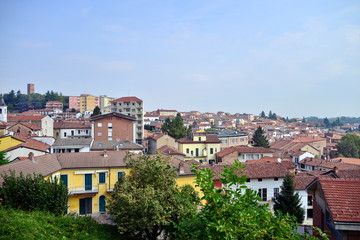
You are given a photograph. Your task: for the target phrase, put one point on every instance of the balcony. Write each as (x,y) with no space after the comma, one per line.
(80,190)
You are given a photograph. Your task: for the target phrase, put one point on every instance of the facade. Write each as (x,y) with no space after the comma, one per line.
(44,122)
(157,140)
(113,126)
(68,145)
(134,107)
(199,147)
(231,139)
(54,105)
(105,104)
(72,129)
(242,154)
(84,102)
(90,177)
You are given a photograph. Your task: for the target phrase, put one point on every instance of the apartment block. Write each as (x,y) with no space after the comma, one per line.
(105,103)
(134,107)
(84,102)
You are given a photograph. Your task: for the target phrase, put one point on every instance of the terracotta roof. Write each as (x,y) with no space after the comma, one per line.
(25,117)
(348,160)
(72,142)
(169,150)
(72,125)
(242,149)
(114,145)
(5,123)
(112,114)
(29,125)
(209,139)
(348,173)
(342,196)
(156,136)
(31,144)
(264,159)
(309,139)
(127,99)
(301,181)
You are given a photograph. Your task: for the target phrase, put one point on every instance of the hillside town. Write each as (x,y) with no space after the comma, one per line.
(85,144)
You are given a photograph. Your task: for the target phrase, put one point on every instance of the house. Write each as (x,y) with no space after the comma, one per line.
(200,147)
(25,129)
(171,151)
(66,145)
(54,105)
(337,206)
(89,176)
(72,128)
(231,139)
(113,126)
(115,145)
(157,140)
(242,154)
(134,107)
(309,164)
(44,122)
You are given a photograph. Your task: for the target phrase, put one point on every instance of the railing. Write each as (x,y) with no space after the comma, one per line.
(81,190)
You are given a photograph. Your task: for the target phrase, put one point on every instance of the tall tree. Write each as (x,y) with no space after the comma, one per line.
(147,202)
(262,114)
(327,123)
(349,146)
(175,127)
(260,139)
(288,201)
(270,114)
(96,111)
(3,158)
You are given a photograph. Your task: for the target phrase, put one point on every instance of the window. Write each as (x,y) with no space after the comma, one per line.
(211,151)
(120,175)
(276,192)
(119,103)
(64,134)
(259,179)
(87,131)
(197,152)
(248,180)
(133,104)
(276,179)
(99,134)
(310,200)
(133,110)
(64,179)
(109,125)
(199,138)
(120,110)
(99,124)
(263,194)
(302,165)
(78,131)
(88,181)
(187,151)
(102,178)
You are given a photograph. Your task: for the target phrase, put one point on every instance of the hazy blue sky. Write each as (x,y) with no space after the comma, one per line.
(296,58)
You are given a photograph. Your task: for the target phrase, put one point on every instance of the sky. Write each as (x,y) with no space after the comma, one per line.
(295,58)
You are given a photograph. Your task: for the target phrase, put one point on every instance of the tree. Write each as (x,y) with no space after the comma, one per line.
(233,211)
(327,123)
(260,139)
(3,158)
(289,202)
(34,193)
(147,202)
(262,114)
(349,146)
(175,127)
(270,114)
(303,120)
(96,111)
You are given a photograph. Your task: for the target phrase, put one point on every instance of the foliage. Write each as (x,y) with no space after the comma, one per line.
(260,139)
(33,193)
(3,158)
(233,211)
(349,146)
(175,127)
(96,111)
(262,114)
(289,202)
(327,123)
(22,102)
(147,202)
(18,224)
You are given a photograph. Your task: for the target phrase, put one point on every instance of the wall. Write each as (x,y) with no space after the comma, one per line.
(22,152)
(7,142)
(122,129)
(47,126)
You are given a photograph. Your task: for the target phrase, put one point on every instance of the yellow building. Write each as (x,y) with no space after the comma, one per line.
(200,147)
(8,142)
(90,176)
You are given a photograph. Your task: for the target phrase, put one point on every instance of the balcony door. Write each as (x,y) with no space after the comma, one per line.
(88,181)
(85,205)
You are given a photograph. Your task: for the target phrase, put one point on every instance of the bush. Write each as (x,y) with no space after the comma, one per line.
(33,192)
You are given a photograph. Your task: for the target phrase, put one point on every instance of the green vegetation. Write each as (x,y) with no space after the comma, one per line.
(260,139)
(349,146)
(33,193)
(3,158)
(96,111)
(233,212)
(17,224)
(175,127)
(147,202)
(18,102)
(288,202)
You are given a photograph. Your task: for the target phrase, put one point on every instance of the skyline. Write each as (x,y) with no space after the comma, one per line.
(295,58)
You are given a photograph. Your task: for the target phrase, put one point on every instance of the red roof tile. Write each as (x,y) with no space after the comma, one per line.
(127,99)
(168,150)
(25,117)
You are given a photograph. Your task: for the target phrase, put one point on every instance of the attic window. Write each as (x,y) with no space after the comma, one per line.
(248,180)
(260,179)
(276,179)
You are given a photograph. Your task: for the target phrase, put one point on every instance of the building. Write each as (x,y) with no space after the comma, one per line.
(30,88)
(199,147)
(157,140)
(83,103)
(113,126)
(242,154)
(54,105)
(105,104)
(232,139)
(337,206)
(72,129)
(44,122)
(69,145)
(89,176)
(3,109)
(134,107)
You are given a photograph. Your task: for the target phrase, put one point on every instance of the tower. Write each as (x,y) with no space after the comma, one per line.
(30,88)
(3,109)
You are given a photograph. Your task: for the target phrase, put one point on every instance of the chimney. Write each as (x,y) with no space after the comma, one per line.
(181,167)
(296,171)
(336,169)
(32,157)
(105,154)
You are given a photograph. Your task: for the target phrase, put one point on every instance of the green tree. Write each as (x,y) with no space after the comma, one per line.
(175,127)
(260,139)
(262,114)
(233,211)
(289,202)
(349,146)
(3,158)
(327,123)
(147,202)
(33,193)
(96,111)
